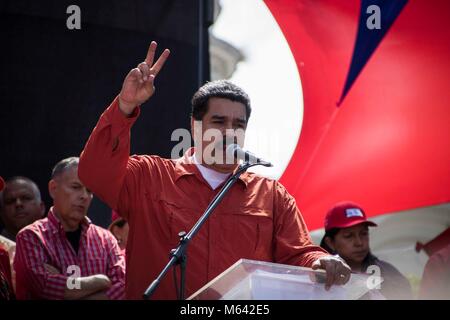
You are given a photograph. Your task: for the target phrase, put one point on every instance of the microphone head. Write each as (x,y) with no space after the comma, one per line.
(234,151)
(232,148)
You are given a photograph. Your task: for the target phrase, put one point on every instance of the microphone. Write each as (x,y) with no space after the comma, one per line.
(235,151)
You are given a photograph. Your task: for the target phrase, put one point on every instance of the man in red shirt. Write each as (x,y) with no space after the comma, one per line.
(65,256)
(257,219)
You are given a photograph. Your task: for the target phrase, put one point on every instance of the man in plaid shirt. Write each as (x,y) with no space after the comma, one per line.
(65,256)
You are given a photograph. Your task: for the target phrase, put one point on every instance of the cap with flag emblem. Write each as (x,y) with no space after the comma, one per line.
(344,215)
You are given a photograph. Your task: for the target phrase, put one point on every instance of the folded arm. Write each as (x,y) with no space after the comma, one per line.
(46,281)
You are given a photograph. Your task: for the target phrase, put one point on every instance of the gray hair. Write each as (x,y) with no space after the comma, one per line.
(64,165)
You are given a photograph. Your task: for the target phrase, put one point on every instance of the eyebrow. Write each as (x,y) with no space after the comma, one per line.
(218,117)
(239,120)
(25,193)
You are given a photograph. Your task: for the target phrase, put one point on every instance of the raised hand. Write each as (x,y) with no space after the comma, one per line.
(138,85)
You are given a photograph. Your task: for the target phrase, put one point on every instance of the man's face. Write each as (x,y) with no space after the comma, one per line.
(352,243)
(71,199)
(223,124)
(22,205)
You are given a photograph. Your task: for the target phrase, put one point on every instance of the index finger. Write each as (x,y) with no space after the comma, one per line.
(331,276)
(151,53)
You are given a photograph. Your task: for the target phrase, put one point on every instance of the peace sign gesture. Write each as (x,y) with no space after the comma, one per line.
(138,85)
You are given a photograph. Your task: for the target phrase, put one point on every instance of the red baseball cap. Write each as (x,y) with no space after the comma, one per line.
(114,215)
(2,184)
(344,215)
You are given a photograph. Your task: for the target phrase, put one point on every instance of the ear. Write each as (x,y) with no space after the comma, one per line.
(330,243)
(196,131)
(52,185)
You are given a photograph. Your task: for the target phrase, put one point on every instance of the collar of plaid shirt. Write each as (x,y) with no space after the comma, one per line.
(56,225)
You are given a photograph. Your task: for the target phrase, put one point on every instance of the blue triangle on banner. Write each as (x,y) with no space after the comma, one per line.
(368,39)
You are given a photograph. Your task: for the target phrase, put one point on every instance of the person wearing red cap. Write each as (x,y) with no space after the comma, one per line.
(347,235)
(6,291)
(119,228)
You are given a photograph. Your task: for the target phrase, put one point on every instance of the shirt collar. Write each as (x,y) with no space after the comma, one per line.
(186,166)
(57,225)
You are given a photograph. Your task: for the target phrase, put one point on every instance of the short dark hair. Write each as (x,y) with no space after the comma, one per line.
(34,186)
(64,165)
(218,89)
(329,234)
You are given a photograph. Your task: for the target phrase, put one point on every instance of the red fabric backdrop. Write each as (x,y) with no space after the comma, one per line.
(387,147)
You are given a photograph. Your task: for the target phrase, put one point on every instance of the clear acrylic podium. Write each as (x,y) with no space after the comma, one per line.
(257,280)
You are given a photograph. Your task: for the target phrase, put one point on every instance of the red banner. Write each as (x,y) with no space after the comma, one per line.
(387,145)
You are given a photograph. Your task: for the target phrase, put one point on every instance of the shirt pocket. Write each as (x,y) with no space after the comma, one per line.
(96,260)
(249,232)
(172,218)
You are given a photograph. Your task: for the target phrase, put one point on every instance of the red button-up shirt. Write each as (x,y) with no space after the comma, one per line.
(257,219)
(45,242)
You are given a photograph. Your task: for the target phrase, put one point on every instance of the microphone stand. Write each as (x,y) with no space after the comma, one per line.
(178,255)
